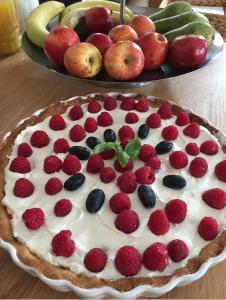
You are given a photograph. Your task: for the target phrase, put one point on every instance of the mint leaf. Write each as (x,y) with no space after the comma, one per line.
(104,147)
(133,148)
(122,157)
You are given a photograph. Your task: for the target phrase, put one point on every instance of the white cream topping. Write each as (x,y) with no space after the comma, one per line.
(98,230)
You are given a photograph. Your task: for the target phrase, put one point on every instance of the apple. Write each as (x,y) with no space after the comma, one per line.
(98,19)
(188,51)
(83,60)
(58,41)
(122,33)
(124,60)
(101,41)
(155,47)
(142,24)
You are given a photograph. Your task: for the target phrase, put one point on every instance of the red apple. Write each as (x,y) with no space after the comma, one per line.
(101,41)
(98,19)
(58,41)
(124,60)
(142,24)
(188,51)
(122,33)
(154,46)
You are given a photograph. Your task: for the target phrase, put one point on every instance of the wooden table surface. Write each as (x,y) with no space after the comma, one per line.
(26,87)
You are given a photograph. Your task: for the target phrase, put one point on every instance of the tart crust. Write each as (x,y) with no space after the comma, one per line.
(123,284)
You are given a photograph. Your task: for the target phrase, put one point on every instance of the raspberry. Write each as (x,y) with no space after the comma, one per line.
(76,113)
(23,188)
(158,222)
(192,149)
(182,118)
(170,133)
(176,211)
(142,105)
(77,133)
(192,130)
(127,221)
(131,118)
(215,198)
(95,260)
(108,154)
(61,146)
(220,170)
(154,163)
(154,120)
(57,123)
(20,164)
(62,208)
(53,186)
(128,261)
(209,147)
(94,106)
(146,152)
(128,103)
(127,182)
(177,250)
(95,164)
(155,257)
(119,202)
(62,245)
(198,167)
(178,159)
(121,169)
(165,111)
(71,164)
(33,218)
(52,164)
(145,175)
(90,125)
(110,103)
(208,228)
(24,150)
(104,119)
(107,175)
(39,139)
(124,142)
(126,132)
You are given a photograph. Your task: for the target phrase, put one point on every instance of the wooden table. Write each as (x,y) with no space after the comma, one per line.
(26,87)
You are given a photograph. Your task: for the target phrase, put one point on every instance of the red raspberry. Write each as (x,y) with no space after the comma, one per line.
(107,175)
(52,164)
(53,186)
(192,130)
(110,103)
(170,133)
(146,152)
(20,164)
(127,221)
(192,149)
(57,123)
(104,119)
(33,218)
(39,139)
(24,150)
(178,159)
(90,125)
(220,170)
(158,222)
(127,182)
(142,105)
(121,169)
(62,208)
(131,118)
(76,113)
(145,175)
(182,118)
(154,120)
(95,164)
(62,245)
(126,132)
(94,106)
(77,133)
(23,188)
(119,202)
(61,146)
(215,198)
(208,228)
(128,103)
(95,260)
(198,167)
(165,111)
(177,250)
(71,164)
(108,154)
(176,211)
(155,257)
(128,261)
(209,147)
(124,142)
(154,163)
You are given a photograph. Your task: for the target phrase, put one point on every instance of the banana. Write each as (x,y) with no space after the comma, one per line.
(38,20)
(116,18)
